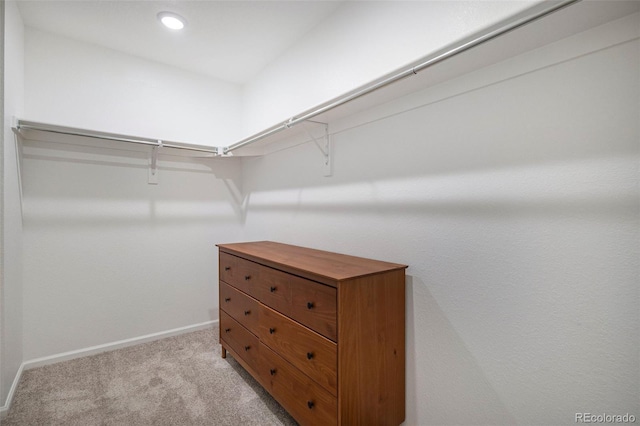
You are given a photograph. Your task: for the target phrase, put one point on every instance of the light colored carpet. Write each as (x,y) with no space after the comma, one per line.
(180,380)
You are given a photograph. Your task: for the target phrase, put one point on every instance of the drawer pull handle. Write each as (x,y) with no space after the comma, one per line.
(247,312)
(272,371)
(226,330)
(227,268)
(309,355)
(272,330)
(247,277)
(310,404)
(272,289)
(310,305)
(227,299)
(246,348)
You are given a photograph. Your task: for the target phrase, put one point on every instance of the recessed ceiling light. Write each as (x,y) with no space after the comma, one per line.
(172,20)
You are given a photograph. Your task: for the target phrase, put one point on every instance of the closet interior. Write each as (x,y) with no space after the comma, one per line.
(490,146)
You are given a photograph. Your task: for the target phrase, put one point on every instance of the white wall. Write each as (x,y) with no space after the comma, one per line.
(2,393)
(338,56)
(512,193)
(108,257)
(83,85)
(11,302)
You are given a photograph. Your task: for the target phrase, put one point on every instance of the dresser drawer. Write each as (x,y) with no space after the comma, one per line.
(239,306)
(308,302)
(307,402)
(238,338)
(240,273)
(307,350)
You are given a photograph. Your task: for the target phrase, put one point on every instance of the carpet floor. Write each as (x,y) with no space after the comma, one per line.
(180,380)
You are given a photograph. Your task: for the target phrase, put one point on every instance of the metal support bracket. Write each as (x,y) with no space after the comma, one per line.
(324,147)
(15,126)
(153,164)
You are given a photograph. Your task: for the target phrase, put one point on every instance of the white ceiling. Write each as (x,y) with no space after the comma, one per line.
(228,40)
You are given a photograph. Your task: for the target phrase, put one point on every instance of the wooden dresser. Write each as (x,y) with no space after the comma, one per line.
(324,333)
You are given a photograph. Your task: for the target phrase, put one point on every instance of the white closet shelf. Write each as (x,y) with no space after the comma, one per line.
(38,131)
(543,23)
(537,26)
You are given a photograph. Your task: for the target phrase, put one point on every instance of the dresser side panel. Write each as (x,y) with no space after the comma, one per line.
(371,349)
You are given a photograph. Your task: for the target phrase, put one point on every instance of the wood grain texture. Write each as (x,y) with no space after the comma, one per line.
(308,302)
(239,273)
(237,338)
(303,398)
(318,265)
(252,369)
(371,350)
(313,354)
(240,306)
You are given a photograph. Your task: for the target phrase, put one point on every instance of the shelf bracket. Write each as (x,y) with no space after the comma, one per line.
(153,164)
(15,126)
(324,146)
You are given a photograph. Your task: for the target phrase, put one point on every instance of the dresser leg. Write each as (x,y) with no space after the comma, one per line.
(224,352)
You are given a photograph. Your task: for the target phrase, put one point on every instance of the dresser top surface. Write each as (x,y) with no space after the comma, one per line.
(322,265)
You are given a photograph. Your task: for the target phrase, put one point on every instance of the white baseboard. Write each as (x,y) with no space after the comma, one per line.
(66,356)
(5,408)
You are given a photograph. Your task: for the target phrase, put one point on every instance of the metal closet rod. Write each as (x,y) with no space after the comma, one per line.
(396,76)
(391,78)
(30,125)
